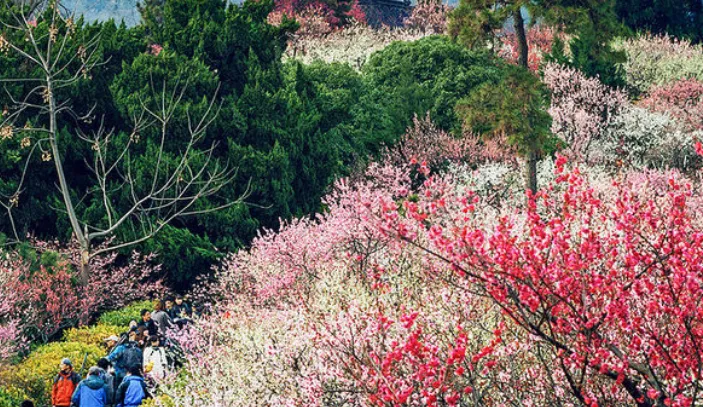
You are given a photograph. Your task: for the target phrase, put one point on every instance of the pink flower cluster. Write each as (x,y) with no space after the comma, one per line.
(683,100)
(581,108)
(37,302)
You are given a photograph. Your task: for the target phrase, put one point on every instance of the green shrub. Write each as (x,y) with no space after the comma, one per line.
(92,335)
(121,317)
(33,376)
(8,399)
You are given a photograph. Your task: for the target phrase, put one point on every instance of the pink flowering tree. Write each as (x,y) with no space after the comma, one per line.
(659,60)
(41,298)
(683,100)
(581,108)
(428,16)
(425,144)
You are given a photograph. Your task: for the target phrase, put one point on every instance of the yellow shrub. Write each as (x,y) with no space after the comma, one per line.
(34,376)
(159,401)
(92,335)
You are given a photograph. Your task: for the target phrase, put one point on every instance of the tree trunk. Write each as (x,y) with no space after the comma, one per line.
(84,275)
(522,46)
(82,237)
(531,171)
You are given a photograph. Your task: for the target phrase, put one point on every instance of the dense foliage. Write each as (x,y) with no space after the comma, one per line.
(289,129)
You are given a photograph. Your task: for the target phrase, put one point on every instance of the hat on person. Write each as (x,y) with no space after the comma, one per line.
(67,362)
(94,371)
(112,338)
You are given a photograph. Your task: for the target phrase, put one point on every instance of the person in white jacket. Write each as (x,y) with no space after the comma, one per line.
(155,362)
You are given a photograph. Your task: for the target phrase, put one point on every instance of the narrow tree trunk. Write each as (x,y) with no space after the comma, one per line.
(531,171)
(522,46)
(63,185)
(84,275)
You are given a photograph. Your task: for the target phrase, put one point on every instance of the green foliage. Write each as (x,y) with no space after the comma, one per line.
(679,18)
(10,399)
(32,378)
(430,74)
(515,106)
(592,25)
(122,317)
(289,129)
(474,22)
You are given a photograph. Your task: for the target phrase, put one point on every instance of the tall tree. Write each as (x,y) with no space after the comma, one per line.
(515,107)
(61,59)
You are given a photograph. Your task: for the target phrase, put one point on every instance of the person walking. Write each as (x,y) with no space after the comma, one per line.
(161,318)
(91,391)
(155,360)
(147,322)
(133,390)
(64,385)
(181,309)
(123,357)
(109,379)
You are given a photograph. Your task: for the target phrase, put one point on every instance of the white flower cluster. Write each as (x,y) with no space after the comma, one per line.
(659,60)
(642,138)
(353,45)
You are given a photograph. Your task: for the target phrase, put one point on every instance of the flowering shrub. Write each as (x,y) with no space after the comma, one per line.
(640,138)
(593,276)
(425,144)
(315,17)
(581,108)
(428,16)
(41,298)
(312,20)
(683,100)
(659,60)
(353,45)
(539,41)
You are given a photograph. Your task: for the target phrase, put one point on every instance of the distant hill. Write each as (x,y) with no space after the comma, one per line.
(105,9)
(122,9)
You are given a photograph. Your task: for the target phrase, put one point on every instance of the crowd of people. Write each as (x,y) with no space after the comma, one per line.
(135,362)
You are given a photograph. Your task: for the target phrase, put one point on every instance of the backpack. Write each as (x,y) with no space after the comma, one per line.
(132,356)
(174,354)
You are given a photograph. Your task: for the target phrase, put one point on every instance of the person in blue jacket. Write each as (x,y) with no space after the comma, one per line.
(133,390)
(123,357)
(91,391)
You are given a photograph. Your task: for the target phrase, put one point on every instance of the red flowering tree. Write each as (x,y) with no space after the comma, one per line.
(612,285)
(539,40)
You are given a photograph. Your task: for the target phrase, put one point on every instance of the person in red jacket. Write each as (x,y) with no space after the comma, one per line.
(64,385)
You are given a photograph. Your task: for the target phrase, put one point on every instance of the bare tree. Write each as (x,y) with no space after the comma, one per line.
(176,185)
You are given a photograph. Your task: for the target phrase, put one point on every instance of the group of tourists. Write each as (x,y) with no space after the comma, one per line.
(135,362)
